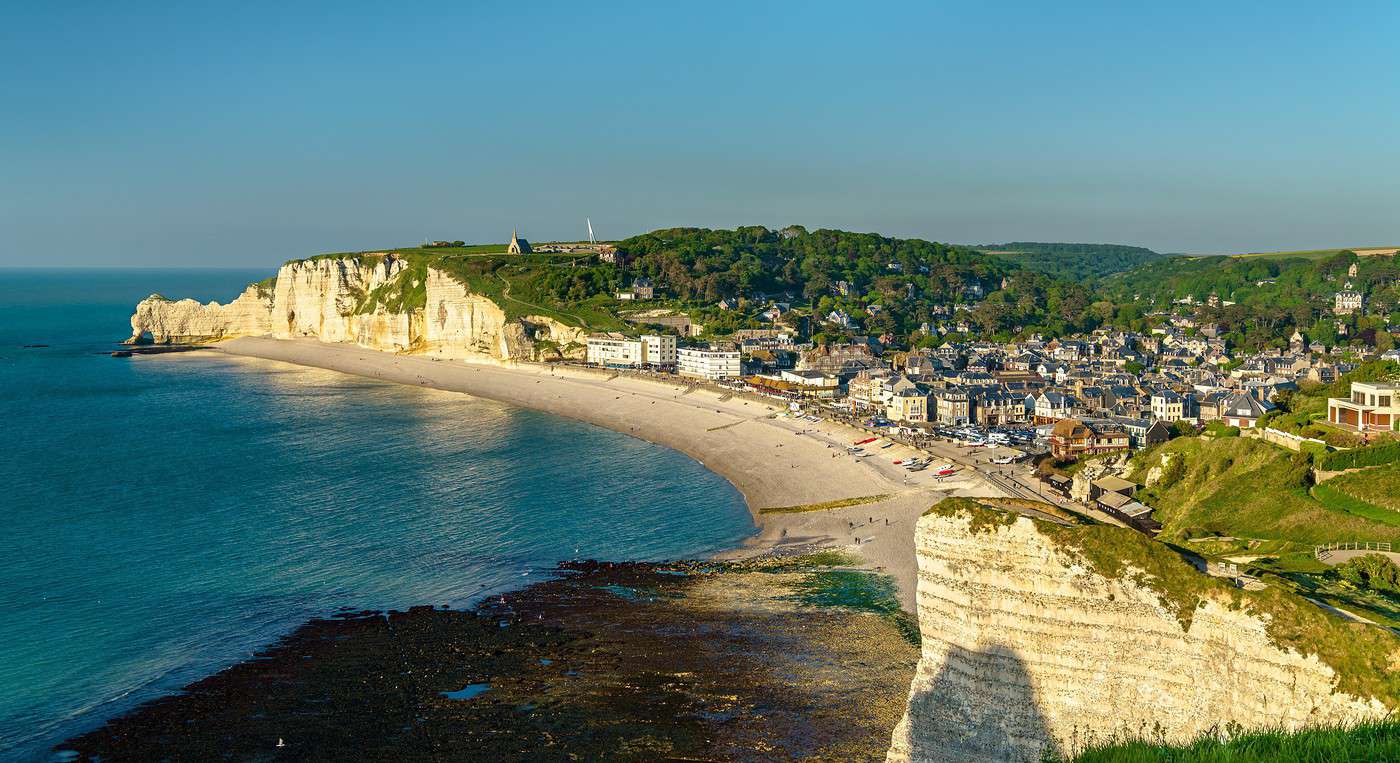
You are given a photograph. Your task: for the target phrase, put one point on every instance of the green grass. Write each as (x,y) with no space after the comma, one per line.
(1337,500)
(1248,488)
(1379,486)
(1382,453)
(1330,589)
(1373,741)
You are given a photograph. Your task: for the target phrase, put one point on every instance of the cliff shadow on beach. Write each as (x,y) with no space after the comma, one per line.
(981,706)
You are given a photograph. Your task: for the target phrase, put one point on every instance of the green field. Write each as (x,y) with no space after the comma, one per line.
(1378,486)
(1247,488)
(1239,498)
(1304,254)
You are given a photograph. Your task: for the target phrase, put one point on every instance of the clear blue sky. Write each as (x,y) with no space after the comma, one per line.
(249,133)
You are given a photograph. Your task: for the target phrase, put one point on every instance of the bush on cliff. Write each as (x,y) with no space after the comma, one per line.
(1372,571)
(1373,455)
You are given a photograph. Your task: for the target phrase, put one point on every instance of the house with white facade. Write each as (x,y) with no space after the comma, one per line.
(1243,410)
(615,350)
(713,362)
(1372,407)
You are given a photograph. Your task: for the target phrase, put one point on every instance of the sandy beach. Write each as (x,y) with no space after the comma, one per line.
(773,459)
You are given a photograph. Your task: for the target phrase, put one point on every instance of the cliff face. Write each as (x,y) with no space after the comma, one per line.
(323,299)
(188,321)
(1029,647)
(346,300)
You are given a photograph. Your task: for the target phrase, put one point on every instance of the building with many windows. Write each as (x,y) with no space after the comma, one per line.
(871,388)
(953,406)
(713,362)
(1348,301)
(661,350)
(907,402)
(1072,439)
(615,350)
(1170,405)
(1372,407)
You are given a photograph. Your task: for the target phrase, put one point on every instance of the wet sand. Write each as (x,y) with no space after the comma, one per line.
(767,660)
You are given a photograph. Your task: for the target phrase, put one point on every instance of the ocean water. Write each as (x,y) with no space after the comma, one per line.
(167,516)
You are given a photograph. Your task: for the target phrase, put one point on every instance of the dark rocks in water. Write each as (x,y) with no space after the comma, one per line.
(157,350)
(720,663)
(34,346)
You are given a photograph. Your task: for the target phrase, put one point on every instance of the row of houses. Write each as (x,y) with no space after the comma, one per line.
(662,352)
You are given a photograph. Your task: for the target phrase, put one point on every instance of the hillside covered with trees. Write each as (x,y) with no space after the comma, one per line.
(924,293)
(1074,262)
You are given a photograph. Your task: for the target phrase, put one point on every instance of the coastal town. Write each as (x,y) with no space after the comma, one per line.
(1043,403)
(555,382)
(1226,423)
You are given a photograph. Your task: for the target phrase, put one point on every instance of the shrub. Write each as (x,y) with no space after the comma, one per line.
(1371,571)
(1373,455)
(1218,429)
(1172,472)
(1184,429)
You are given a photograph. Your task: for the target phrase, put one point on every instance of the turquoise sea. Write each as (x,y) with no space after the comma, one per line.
(166,516)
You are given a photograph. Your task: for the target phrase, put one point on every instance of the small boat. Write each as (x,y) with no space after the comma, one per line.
(866,440)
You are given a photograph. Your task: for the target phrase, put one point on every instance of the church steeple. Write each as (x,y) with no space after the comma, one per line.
(518,245)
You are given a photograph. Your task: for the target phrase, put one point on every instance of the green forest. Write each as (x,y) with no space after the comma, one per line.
(908,288)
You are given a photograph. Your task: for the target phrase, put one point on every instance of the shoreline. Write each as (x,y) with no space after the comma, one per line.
(771,459)
(603,661)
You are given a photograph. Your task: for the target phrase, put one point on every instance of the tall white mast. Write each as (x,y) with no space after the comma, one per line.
(590,231)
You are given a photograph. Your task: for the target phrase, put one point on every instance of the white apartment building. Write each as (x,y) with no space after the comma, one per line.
(620,351)
(708,362)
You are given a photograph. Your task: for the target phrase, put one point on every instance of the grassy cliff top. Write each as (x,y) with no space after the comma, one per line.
(522,285)
(1374,741)
(1361,655)
(1243,487)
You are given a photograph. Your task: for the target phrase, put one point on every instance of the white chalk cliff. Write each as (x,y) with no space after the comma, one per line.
(1028,647)
(189,321)
(335,300)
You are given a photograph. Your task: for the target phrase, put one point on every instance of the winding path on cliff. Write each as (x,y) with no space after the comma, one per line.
(505,292)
